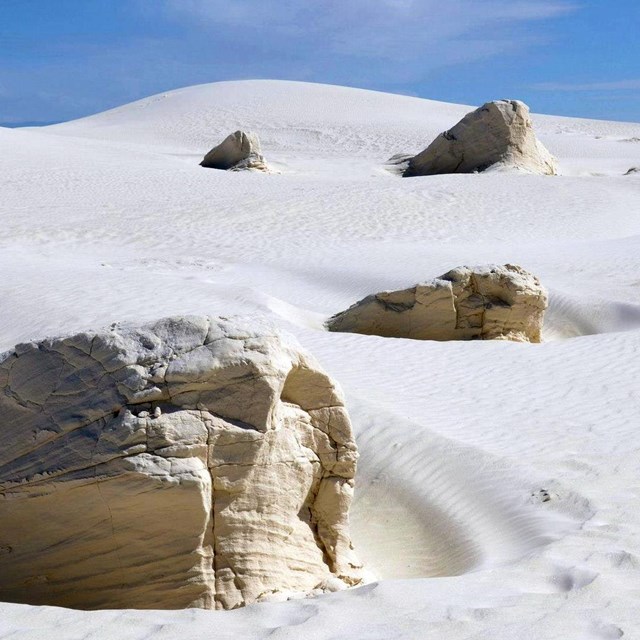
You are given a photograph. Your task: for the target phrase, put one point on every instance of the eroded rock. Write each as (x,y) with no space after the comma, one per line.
(237,152)
(482,303)
(499,133)
(192,462)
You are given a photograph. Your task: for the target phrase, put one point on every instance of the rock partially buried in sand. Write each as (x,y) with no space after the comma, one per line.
(237,152)
(482,303)
(498,133)
(192,462)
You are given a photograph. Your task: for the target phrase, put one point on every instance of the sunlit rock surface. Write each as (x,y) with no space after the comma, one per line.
(499,133)
(237,152)
(486,303)
(191,462)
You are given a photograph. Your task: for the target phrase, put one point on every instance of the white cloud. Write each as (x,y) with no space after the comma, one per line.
(618,85)
(427,34)
(382,44)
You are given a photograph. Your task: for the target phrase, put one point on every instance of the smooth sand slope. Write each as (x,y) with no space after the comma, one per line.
(499,485)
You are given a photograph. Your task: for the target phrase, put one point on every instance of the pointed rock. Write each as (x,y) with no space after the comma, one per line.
(498,133)
(238,151)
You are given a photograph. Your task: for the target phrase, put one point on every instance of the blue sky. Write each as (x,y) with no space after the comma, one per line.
(61,59)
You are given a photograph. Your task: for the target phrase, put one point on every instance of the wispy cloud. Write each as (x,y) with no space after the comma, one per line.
(392,45)
(618,85)
(408,37)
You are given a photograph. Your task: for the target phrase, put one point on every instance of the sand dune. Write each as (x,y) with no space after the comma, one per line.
(498,489)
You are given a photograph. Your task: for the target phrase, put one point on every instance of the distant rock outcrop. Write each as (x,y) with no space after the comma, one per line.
(632,171)
(482,303)
(498,133)
(192,462)
(237,152)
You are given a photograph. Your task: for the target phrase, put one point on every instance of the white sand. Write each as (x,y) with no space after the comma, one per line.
(111,218)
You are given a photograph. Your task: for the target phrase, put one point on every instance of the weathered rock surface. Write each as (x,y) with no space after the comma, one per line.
(192,462)
(237,152)
(482,303)
(498,133)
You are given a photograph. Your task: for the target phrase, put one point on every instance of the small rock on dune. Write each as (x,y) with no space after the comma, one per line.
(237,152)
(191,462)
(482,303)
(498,133)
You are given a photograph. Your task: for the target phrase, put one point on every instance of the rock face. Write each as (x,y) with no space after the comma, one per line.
(193,462)
(498,133)
(237,152)
(483,303)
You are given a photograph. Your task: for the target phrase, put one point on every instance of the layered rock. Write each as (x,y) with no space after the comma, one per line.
(237,152)
(482,303)
(192,462)
(499,133)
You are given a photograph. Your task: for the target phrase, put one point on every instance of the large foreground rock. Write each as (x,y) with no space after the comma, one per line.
(482,303)
(193,462)
(498,133)
(238,151)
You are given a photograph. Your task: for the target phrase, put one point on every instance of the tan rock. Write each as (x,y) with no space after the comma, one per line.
(192,462)
(498,133)
(483,303)
(237,152)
